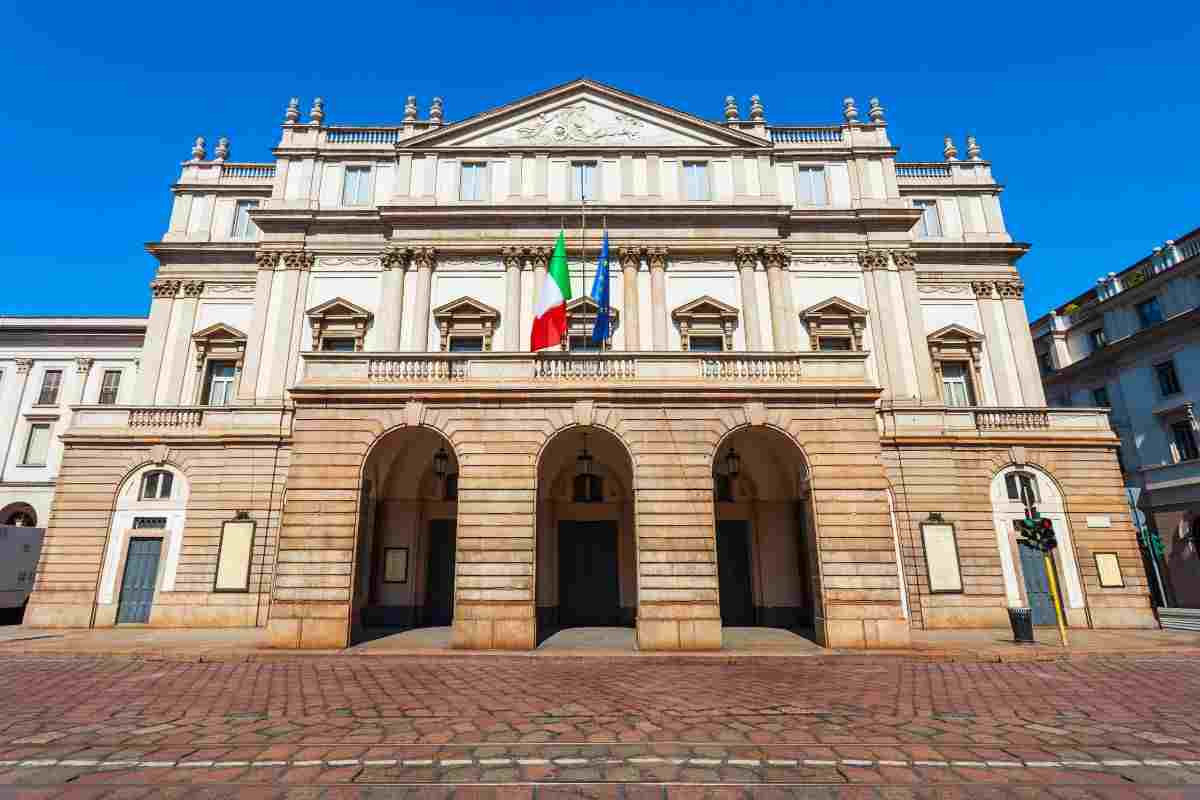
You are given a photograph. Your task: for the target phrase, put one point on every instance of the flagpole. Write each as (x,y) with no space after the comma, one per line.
(607,293)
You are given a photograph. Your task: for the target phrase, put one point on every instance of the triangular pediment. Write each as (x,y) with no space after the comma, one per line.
(954,333)
(704,306)
(834,307)
(220,332)
(338,307)
(585,306)
(466,307)
(584,114)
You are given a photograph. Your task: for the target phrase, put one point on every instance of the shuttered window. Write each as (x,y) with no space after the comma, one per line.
(695,175)
(810,187)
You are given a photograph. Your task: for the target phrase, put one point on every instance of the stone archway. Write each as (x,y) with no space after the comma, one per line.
(586,540)
(765,537)
(405,559)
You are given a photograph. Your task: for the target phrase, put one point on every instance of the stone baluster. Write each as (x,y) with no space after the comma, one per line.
(747,260)
(631,259)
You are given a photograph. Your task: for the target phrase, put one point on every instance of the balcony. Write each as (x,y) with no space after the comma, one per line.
(173,422)
(564,369)
(986,422)
(1162,477)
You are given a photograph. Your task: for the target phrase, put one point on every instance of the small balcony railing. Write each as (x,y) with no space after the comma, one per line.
(982,421)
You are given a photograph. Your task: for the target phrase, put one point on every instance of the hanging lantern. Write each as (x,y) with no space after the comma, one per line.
(441,462)
(584,463)
(733,463)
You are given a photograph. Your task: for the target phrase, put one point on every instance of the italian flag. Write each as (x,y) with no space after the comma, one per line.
(550,314)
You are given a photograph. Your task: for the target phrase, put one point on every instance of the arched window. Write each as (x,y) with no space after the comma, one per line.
(156,485)
(20,515)
(589,488)
(1021,486)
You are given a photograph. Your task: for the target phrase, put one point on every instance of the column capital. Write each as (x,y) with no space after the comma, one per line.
(394,258)
(24,365)
(83,364)
(539,256)
(657,257)
(745,257)
(871,260)
(513,257)
(775,256)
(193,288)
(423,257)
(300,260)
(630,256)
(904,259)
(1010,290)
(984,290)
(165,288)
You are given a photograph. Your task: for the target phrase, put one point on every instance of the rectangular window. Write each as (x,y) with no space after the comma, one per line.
(706,344)
(473,180)
(1098,339)
(1168,380)
(956,385)
(218,389)
(37,446)
(810,187)
(836,343)
(466,344)
(1149,312)
(1185,441)
(357,189)
(337,344)
(1100,397)
(583,180)
(51,381)
(930,225)
(110,387)
(583,344)
(695,174)
(243,228)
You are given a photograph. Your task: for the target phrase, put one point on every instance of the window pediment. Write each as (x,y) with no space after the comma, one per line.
(836,308)
(955,336)
(219,341)
(466,317)
(706,316)
(581,318)
(338,319)
(956,343)
(837,320)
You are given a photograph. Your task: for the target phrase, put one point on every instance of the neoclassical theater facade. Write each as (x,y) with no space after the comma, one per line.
(819,407)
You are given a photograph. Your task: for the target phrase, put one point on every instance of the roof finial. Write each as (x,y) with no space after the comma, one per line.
(756,108)
(949,150)
(973,150)
(316,114)
(292,115)
(875,111)
(731,109)
(435,111)
(849,111)
(410,108)
(198,151)
(222,148)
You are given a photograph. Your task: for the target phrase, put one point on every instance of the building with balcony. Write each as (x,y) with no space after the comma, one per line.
(819,407)
(1132,343)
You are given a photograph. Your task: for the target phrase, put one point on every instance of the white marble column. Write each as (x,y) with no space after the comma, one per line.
(631,259)
(512,298)
(248,384)
(927,389)
(83,367)
(423,258)
(998,343)
(283,320)
(163,291)
(391,299)
(781,331)
(179,346)
(746,261)
(1012,294)
(657,256)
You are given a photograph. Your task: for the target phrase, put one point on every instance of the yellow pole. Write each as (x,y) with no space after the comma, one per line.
(1058,612)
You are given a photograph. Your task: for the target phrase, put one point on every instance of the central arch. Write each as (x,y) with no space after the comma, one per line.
(404,569)
(586,541)
(765,537)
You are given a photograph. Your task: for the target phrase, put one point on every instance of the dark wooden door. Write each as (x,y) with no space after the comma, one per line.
(137,587)
(587,574)
(733,572)
(439,593)
(1037,585)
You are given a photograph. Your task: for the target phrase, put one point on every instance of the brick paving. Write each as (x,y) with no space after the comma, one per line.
(879,727)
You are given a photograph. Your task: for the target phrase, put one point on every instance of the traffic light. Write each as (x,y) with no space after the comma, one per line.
(1037,532)
(1150,540)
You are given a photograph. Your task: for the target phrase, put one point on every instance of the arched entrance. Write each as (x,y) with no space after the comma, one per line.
(586,545)
(404,564)
(766,550)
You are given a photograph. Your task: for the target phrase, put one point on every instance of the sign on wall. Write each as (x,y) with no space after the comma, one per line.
(395,565)
(941,556)
(1108,568)
(233,556)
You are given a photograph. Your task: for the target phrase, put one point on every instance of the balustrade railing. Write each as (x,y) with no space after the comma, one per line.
(362,135)
(810,134)
(165,417)
(750,368)
(1011,419)
(926,172)
(247,172)
(585,367)
(419,369)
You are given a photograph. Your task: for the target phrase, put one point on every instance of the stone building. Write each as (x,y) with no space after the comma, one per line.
(1131,343)
(818,408)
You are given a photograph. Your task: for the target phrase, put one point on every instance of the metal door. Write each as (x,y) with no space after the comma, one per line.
(587,574)
(733,573)
(1037,585)
(137,587)
(439,596)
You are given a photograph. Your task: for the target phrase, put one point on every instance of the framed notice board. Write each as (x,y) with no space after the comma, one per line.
(941,556)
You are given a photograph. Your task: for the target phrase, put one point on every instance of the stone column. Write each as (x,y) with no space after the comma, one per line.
(998,342)
(423,257)
(927,389)
(282,321)
(746,261)
(179,345)
(1012,294)
(248,383)
(631,259)
(657,256)
(391,299)
(512,298)
(163,292)
(781,330)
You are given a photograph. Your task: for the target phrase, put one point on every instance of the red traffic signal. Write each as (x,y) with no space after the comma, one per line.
(1046,525)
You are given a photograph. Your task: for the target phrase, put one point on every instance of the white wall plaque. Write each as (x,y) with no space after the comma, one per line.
(941,556)
(1099,522)
(233,557)
(1108,567)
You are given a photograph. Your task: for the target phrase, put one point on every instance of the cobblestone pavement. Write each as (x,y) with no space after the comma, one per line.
(875,727)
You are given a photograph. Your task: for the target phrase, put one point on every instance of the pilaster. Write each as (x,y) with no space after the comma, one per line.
(391,306)
(423,257)
(512,298)
(248,384)
(630,324)
(1012,294)
(657,258)
(163,291)
(746,261)
(998,343)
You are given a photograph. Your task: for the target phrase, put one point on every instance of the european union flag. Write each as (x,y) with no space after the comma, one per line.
(599,293)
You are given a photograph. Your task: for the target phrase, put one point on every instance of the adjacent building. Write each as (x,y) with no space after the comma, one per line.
(1132,343)
(819,407)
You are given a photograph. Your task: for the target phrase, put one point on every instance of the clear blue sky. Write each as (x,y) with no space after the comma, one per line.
(1090,119)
